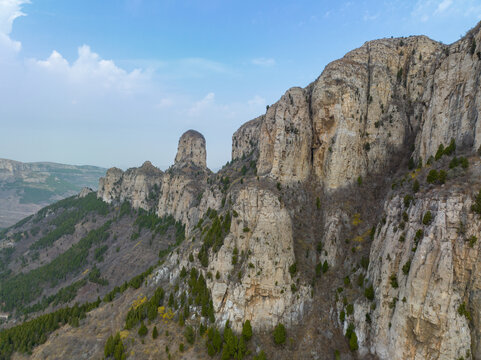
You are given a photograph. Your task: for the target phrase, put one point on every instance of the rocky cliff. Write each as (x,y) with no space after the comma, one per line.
(349,212)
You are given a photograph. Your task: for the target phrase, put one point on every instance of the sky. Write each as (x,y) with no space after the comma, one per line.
(117,82)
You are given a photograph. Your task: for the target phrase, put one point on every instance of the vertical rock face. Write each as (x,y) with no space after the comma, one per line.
(191,149)
(139,186)
(453,98)
(109,188)
(245,141)
(366,106)
(424,322)
(285,138)
(186,181)
(263,233)
(362,110)
(367,113)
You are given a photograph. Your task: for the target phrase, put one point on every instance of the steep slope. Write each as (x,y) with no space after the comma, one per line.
(349,216)
(27,187)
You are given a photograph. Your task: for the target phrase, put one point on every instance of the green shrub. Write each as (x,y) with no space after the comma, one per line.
(318,203)
(189,335)
(476,207)
(114,347)
(406,267)
(342,316)
(454,162)
(449,150)
(393,281)
(369,293)
(416,186)
(155,333)
(260,356)
(411,163)
(359,180)
(432,176)
(464,162)
(360,280)
(349,309)
(464,312)
(442,176)
(427,218)
(325,266)
(407,200)
(472,240)
(279,334)
(352,337)
(365,262)
(247,330)
(293,269)
(181,347)
(440,152)
(353,342)
(142,330)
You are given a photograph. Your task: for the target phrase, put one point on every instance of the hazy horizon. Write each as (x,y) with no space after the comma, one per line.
(116,83)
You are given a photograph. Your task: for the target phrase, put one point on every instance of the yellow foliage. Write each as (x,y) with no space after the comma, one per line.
(358,239)
(164,314)
(140,300)
(356,220)
(137,244)
(86,271)
(415,173)
(124,334)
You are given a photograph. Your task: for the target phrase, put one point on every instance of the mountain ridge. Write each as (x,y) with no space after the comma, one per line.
(348,218)
(27,187)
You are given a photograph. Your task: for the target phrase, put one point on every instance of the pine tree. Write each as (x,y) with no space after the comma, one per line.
(247,330)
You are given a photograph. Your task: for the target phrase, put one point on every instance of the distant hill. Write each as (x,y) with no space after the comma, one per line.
(27,187)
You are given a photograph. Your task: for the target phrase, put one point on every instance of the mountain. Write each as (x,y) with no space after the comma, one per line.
(346,226)
(27,187)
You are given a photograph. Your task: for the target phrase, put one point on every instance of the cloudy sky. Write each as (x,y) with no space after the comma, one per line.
(116,82)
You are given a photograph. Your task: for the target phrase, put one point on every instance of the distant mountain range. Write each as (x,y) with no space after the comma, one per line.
(27,187)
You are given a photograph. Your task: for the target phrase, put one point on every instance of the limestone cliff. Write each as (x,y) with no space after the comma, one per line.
(139,186)
(424,268)
(320,211)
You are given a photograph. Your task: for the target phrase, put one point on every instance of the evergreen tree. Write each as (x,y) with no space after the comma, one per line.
(247,330)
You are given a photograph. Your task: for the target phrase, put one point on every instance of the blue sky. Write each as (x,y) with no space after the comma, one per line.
(114,83)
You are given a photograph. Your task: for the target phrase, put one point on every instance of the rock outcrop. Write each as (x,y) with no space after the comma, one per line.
(368,113)
(423,272)
(452,98)
(245,140)
(140,186)
(261,236)
(191,150)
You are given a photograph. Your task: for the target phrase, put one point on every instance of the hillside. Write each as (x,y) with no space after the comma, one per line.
(27,187)
(346,226)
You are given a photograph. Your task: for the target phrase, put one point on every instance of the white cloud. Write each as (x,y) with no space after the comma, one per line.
(90,68)
(443,5)
(370,17)
(9,11)
(264,62)
(425,10)
(257,101)
(90,107)
(203,104)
